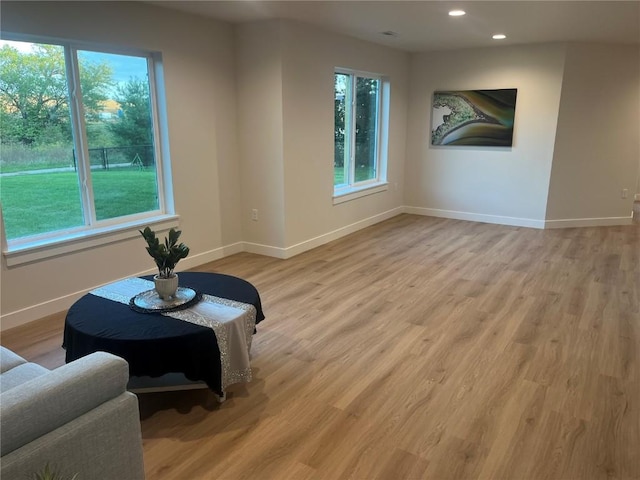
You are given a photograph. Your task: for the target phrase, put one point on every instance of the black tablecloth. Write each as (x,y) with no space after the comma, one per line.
(152,343)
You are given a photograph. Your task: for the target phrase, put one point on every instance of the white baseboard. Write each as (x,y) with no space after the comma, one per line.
(193,261)
(267,250)
(34,312)
(60,304)
(55,305)
(521,222)
(476,217)
(341,232)
(312,243)
(588,222)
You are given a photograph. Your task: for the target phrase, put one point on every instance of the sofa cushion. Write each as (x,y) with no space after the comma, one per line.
(19,375)
(9,360)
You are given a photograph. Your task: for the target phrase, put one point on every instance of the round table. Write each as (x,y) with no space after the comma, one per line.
(154,344)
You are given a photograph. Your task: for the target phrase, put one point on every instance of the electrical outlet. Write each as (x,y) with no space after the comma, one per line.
(254,214)
(624,193)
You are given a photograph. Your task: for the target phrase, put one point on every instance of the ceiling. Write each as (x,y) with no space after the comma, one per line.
(426,25)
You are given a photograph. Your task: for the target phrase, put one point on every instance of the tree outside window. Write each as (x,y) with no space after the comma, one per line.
(356,129)
(70,161)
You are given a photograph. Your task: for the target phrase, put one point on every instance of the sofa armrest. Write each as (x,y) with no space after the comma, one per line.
(105,444)
(43,404)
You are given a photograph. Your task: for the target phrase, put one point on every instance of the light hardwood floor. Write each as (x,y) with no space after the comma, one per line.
(419,348)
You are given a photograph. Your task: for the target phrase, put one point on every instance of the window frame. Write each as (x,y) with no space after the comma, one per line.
(352,189)
(96,232)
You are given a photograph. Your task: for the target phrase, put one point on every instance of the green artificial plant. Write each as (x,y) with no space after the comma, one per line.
(48,473)
(167,254)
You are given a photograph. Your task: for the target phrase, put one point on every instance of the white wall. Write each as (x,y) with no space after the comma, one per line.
(198,58)
(598,138)
(498,185)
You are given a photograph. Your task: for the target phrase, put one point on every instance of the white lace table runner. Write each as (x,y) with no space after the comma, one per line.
(232,322)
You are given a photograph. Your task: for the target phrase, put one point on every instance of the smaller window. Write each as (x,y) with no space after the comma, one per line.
(358,162)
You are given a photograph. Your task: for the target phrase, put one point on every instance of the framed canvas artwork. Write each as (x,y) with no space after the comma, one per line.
(473,117)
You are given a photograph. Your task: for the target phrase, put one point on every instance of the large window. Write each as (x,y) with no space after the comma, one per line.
(79,147)
(357,134)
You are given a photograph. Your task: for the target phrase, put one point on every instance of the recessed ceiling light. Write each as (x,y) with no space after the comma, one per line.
(457,13)
(499,36)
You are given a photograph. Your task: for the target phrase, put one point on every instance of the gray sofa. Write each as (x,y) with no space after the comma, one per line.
(79,419)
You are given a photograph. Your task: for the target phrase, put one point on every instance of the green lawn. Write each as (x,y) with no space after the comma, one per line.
(38,203)
(45,202)
(8,168)
(362,173)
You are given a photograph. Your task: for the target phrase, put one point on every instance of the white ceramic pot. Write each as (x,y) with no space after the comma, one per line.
(166,287)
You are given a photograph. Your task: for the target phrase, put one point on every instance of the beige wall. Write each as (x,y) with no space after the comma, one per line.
(597,146)
(310,57)
(576,137)
(499,185)
(216,81)
(250,126)
(260,114)
(285,98)
(198,57)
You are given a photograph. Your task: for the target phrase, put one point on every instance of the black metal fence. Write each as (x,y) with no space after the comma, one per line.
(140,156)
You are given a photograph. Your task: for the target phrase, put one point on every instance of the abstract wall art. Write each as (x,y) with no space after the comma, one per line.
(473,117)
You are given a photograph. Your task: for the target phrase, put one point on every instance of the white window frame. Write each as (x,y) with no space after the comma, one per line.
(99,232)
(351,189)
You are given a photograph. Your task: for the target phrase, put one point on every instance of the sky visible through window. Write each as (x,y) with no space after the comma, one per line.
(124,67)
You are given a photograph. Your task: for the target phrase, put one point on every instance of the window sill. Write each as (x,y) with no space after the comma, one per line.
(43,249)
(348,194)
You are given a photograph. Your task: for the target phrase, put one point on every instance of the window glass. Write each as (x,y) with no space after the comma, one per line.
(366,130)
(342,144)
(356,132)
(117,107)
(38,185)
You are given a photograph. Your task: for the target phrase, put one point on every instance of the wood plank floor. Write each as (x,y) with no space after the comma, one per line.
(419,348)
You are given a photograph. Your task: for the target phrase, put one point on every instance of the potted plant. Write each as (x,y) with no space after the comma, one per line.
(166,255)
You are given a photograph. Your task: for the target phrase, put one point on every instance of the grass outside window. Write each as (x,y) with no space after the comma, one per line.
(363,173)
(30,209)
